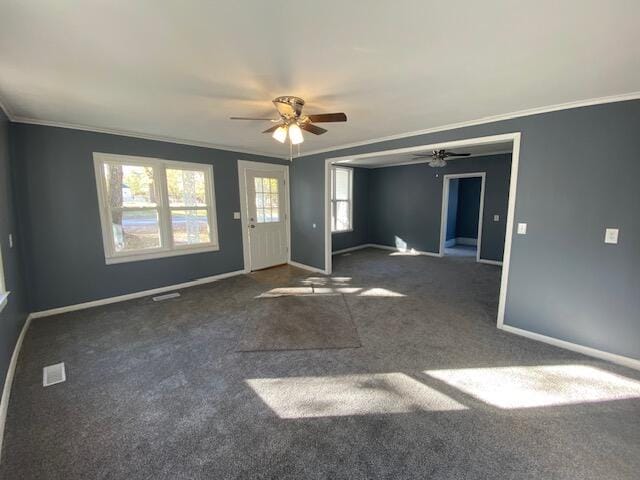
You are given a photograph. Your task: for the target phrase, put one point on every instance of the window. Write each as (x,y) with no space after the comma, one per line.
(341,199)
(151,208)
(267,200)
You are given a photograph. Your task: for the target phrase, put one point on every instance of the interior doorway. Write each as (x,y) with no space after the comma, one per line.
(462,213)
(512,143)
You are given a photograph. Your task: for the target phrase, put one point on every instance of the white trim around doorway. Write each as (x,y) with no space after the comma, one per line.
(243,166)
(513,184)
(446,182)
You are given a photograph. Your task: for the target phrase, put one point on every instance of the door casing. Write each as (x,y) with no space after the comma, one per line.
(243,166)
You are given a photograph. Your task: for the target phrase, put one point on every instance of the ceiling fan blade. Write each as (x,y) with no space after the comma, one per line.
(311,128)
(452,154)
(328,117)
(272,129)
(423,155)
(253,118)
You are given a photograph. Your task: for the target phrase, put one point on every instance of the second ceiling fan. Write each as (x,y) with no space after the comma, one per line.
(438,157)
(292,121)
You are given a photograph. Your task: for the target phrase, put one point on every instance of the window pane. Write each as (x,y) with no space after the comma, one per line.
(129,185)
(342,215)
(135,230)
(342,184)
(186,188)
(190,227)
(267,200)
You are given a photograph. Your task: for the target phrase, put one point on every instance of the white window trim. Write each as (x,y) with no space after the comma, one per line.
(334,201)
(4,295)
(167,248)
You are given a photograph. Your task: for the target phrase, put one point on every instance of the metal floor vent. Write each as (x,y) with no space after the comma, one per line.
(53,374)
(160,298)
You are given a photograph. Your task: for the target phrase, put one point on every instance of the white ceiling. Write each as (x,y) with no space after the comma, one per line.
(379,159)
(180,69)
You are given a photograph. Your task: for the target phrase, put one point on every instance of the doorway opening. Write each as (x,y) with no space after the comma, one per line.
(509,141)
(462,213)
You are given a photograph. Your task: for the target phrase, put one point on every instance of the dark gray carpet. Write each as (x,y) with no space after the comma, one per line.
(158,391)
(298,320)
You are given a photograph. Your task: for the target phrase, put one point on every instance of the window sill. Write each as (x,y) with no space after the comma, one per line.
(160,254)
(4,299)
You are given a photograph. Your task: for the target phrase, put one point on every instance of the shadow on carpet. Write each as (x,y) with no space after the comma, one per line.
(298,321)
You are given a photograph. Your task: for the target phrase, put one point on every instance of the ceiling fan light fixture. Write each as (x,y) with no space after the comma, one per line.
(437,163)
(280,134)
(295,134)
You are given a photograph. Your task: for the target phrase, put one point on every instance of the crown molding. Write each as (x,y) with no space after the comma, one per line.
(144,136)
(480,121)
(452,126)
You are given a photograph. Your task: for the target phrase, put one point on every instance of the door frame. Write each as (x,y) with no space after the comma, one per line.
(513,137)
(446,182)
(243,166)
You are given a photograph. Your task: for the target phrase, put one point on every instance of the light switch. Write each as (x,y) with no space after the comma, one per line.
(236,215)
(314,225)
(522,229)
(496,218)
(11,240)
(611,235)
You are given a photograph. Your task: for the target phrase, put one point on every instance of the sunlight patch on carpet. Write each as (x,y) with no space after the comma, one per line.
(362,394)
(539,386)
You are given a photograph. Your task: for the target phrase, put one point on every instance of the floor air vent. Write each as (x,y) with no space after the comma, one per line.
(53,374)
(160,298)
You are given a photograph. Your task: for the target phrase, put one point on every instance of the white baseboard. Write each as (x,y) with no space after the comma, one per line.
(450,243)
(306,267)
(410,251)
(467,241)
(351,249)
(489,262)
(131,296)
(592,352)
(8,381)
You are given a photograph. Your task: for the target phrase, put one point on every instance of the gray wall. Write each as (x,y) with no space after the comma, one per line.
(468,209)
(61,225)
(359,234)
(578,174)
(406,202)
(15,312)
(452,208)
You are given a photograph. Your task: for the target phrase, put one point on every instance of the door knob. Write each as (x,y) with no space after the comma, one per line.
(252,226)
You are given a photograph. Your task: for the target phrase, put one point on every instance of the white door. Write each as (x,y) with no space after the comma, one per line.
(267,216)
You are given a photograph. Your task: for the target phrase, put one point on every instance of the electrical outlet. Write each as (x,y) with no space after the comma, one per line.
(611,235)
(496,218)
(236,215)
(522,229)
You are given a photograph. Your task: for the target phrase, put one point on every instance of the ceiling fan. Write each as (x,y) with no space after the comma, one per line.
(292,121)
(438,157)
